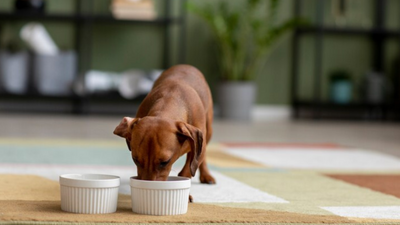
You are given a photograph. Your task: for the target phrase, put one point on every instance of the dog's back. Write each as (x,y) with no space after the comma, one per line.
(182,83)
(188,76)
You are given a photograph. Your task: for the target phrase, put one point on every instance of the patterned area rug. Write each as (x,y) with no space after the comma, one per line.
(256,183)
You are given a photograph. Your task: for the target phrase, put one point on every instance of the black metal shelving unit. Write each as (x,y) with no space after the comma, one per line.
(84,23)
(317,108)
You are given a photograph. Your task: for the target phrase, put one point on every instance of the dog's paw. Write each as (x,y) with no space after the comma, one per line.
(207,179)
(190,199)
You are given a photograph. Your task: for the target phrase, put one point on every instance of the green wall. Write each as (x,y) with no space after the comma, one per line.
(118,47)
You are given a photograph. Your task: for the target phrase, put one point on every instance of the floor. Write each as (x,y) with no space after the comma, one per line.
(383,137)
(310,181)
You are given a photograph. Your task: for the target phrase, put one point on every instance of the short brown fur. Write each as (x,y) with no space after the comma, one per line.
(175,118)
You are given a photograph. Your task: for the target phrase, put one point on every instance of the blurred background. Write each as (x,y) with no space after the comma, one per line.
(302,89)
(290,58)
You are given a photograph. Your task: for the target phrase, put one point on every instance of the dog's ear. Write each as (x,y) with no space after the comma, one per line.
(124,129)
(195,137)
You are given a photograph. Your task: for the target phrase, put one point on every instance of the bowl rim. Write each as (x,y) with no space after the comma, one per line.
(85,180)
(173,182)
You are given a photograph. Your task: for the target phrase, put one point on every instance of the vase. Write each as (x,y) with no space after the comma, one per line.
(54,74)
(236,100)
(14,72)
(341,91)
(375,85)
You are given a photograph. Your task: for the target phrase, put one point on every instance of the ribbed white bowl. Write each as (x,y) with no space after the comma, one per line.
(89,193)
(160,197)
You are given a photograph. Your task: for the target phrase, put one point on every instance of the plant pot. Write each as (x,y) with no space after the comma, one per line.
(375,85)
(341,91)
(236,100)
(14,72)
(54,74)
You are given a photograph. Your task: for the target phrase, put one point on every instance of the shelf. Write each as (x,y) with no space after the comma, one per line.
(84,22)
(113,96)
(82,17)
(355,110)
(106,96)
(347,31)
(378,35)
(35,96)
(99,103)
(111,19)
(344,106)
(37,16)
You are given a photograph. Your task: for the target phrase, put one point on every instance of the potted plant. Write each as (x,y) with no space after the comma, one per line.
(341,87)
(14,64)
(244,34)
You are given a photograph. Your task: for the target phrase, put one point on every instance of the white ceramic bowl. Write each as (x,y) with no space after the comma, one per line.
(89,193)
(160,197)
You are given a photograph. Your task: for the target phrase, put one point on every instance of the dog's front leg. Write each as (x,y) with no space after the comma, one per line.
(185,172)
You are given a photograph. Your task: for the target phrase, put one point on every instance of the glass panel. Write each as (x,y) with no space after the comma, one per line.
(392,16)
(349,13)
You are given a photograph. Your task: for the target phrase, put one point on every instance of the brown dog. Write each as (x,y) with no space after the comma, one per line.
(175,118)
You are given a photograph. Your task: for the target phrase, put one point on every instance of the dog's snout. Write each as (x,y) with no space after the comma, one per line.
(152,177)
(161,178)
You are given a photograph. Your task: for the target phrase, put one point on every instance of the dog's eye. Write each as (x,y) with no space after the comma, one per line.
(165,163)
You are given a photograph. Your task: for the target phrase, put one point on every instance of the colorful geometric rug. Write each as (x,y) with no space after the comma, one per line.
(256,183)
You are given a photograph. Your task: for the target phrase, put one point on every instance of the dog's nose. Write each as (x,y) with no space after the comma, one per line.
(149,175)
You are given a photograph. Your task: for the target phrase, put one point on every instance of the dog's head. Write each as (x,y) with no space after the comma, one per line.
(156,143)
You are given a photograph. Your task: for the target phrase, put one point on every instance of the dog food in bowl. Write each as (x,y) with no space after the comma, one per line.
(89,193)
(160,197)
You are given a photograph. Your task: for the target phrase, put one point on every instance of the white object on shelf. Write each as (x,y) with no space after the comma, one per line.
(101,81)
(160,197)
(89,193)
(133,9)
(39,40)
(155,74)
(130,84)
(134,83)
(134,14)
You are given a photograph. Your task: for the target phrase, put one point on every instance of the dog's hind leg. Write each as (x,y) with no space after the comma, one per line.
(205,176)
